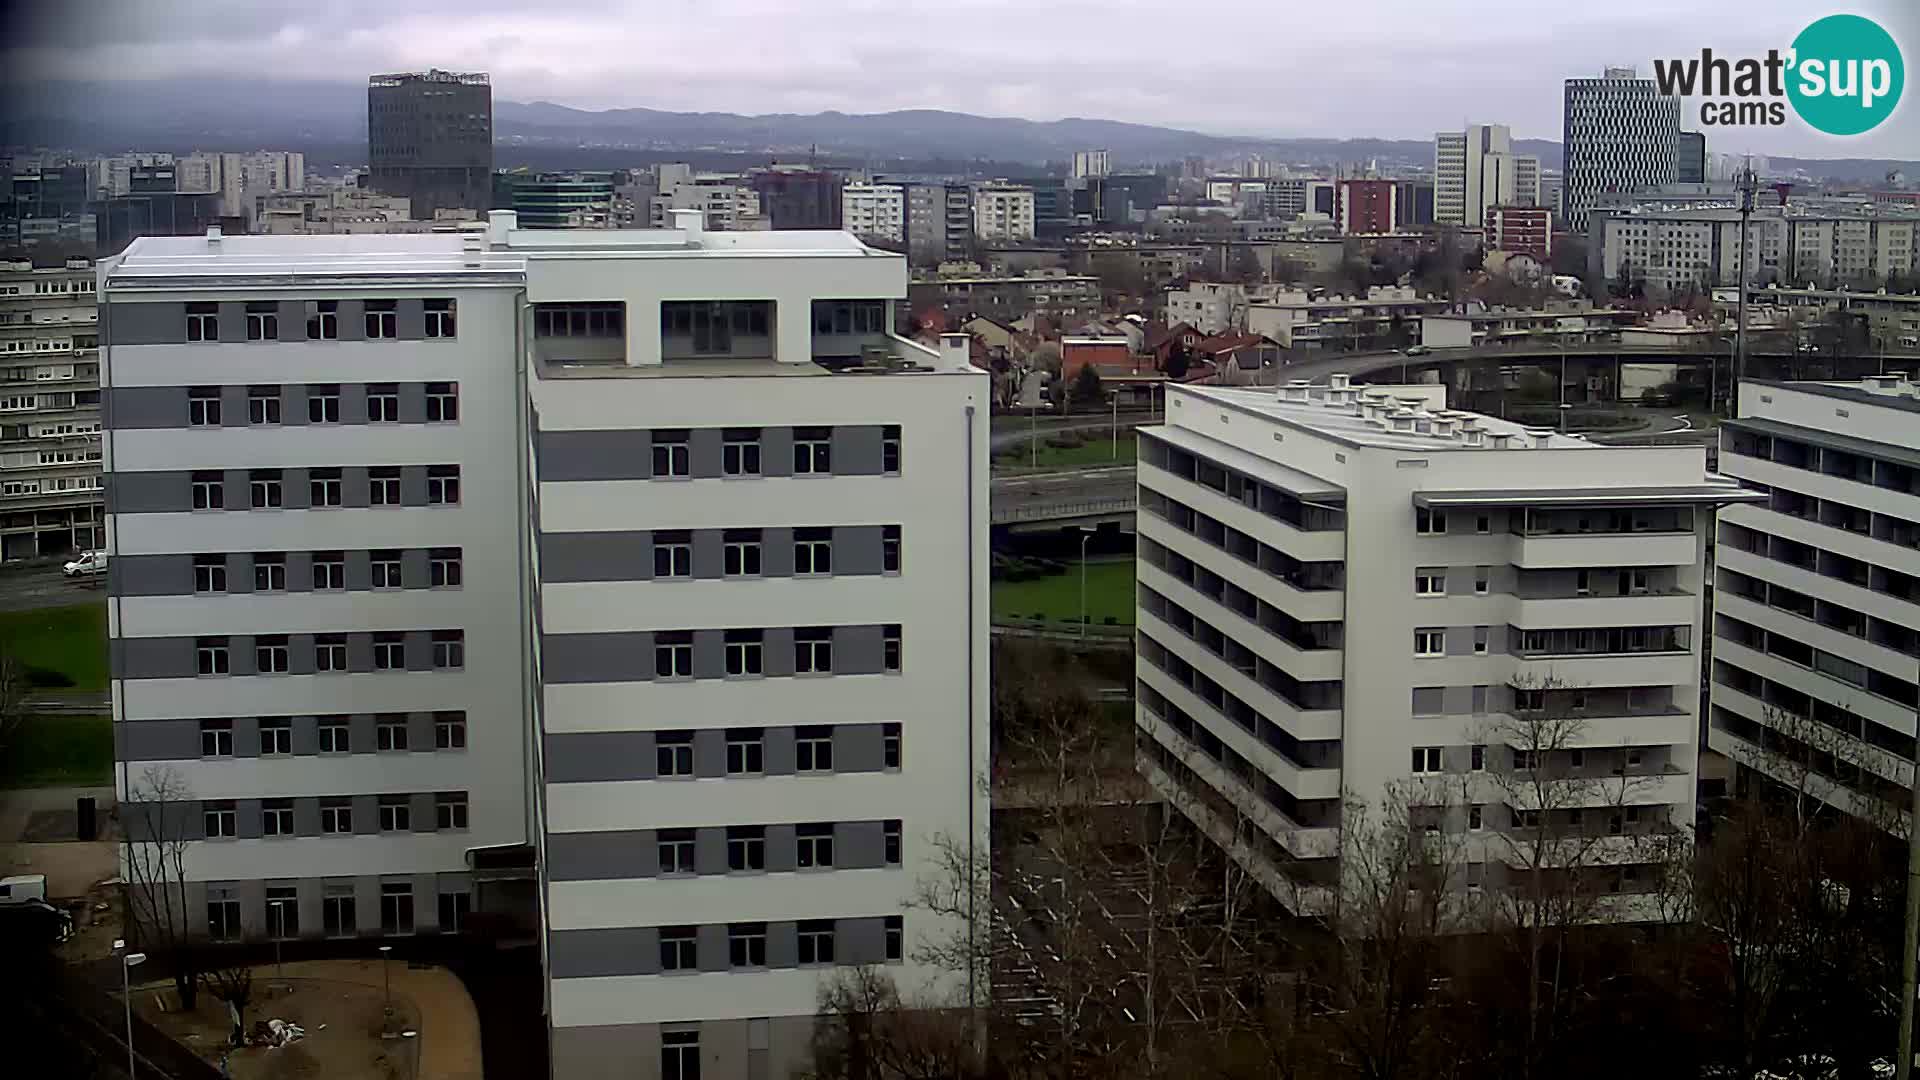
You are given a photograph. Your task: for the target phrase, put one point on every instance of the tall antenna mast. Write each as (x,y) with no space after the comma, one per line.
(1747,183)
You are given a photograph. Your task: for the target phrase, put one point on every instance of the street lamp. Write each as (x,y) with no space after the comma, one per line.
(1116,425)
(279,909)
(386,979)
(128,961)
(1086,534)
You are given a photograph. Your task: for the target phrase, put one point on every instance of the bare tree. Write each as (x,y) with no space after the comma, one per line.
(229,978)
(154,853)
(864,1030)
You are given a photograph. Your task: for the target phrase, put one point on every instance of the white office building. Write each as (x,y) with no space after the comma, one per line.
(1087,163)
(1344,590)
(1817,598)
(1475,170)
(876,210)
(49,410)
(1620,134)
(688,597)
(1002,213)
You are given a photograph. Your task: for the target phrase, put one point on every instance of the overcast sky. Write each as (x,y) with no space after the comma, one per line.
(1388,68)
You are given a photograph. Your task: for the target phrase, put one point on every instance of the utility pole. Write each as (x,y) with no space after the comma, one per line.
(1747,183)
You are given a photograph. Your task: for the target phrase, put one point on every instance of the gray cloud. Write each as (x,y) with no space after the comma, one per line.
(1393,68)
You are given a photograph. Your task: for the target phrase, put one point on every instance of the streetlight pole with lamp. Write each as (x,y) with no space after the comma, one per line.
(386,981)
(1086,534)
(128,961)
(1116,425)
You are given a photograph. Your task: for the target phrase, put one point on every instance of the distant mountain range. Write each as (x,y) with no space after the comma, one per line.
(233,114)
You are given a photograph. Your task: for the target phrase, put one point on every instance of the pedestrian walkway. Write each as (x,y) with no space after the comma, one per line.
(449,1028)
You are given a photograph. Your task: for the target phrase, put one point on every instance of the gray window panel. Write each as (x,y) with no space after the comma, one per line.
(154,575)
(856,450)
(783,849)
(594,756)
(1428,700)
(420,654)
(859,845)
(703,453)
(595,455)
(293,408)
(130,408)
(293,320)
(359,575)
(300,655)
(246,736)
(710,553)
(174,820)
(411,317)
(776,552)
(253,906)
(1457,700)
(366,902)
(602,856)
(859,941)
(1477,700)
(419,725)
(295,493)
(858,650)
(299,572)
(1460,580)
(857,748)
(783,945)
(597,658)
(1499,639)
(306,729)
(155,658)
(423,818)
(233,404)
(246,818)
(152,492)
(353,396)
(709,654)
(156,740)
(709,752)
(598,556)
(778,651)
(856,549)
(778,754)
(710,851)
(356,490)
(233,320)
(353,321)
(413,401)
(306,822)
(413,485)
(143,324)
(454,882)
(362,731)
(366,822)
(239,497)
(239,571)
(584,954)
(415,571)
(359,656)
(776,451)
(712,939)
(1460,641)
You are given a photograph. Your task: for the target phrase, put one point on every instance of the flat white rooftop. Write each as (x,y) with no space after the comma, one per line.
(1340,422)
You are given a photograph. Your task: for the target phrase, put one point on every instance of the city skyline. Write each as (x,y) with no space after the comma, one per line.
(1326,81)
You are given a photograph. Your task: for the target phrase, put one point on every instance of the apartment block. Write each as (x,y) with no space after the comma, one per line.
(1002,212)
(876,210)
(1347,591)
(644,599)
(50,503)
(1475,170)
(1817,596)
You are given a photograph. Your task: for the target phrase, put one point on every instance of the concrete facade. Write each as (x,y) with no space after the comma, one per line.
(50,501)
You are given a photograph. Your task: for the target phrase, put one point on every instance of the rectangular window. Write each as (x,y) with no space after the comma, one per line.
(385,567)
(209,573)
(890,834)
(263,321)
(1483,524)
(679,1055)
(1582,583)
(450,810)
(742,552)
(335,735)
(1637,582)
(1480,640)
(443,402)
(454,909)
(210,656)
(673,754)
(223,920)
(389,651)
(891,653)
(209,491)
(276,736)
(1429,522)
(890,746)
(396,907)
(323,320)
(443,485)
(816,941)
(745,653)
(812,451)
(1426,759)
(747,945)
(449,731)
(443,568)
(203,406)
(323,404)
(812,551)
(813,650)
(673,654)
(890,450)
(396,813)
(1430,583)
(330,652)
(890,549)
(671,455)
(1475,818)
(220,819)
(263,489)
(383,485)
(216,738)
(336,816)
(675,848)
(1482,580)
(672,554)
(324,487)
(263,404)
(383,319)
(329,570)
(1526,760)
(740,452)
(746,752)
(816,845)
(679,949)
(337,911)
(1429,643)
(440,319)
(746,847)
(1480,757)
(276,817)
(449,650)
(203,322)
(895,930)
(383,403)
(813,749)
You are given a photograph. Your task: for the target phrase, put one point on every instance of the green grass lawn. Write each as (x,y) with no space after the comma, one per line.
(1057,598)
(70,640)
(1097,450)
(59,751)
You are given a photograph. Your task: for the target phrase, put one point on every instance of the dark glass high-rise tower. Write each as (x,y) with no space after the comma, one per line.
(430,138)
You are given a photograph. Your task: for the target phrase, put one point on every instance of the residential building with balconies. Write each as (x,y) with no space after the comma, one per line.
(50,502)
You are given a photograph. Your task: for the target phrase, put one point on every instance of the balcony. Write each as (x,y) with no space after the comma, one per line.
(1539,551)
(1601,729)
(1636,609)
(1301,781)
(1224,800)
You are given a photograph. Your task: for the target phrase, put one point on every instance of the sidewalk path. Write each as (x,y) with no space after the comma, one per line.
(449,1026)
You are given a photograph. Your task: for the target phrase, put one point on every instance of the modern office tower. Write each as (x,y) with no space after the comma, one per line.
(1476,169)
(1690,167)
(798,196)
(1002,213)
(1817,599)
(876,210)
(1346,590)
(1091,163)
(687,594)
(49,410)
(1620,134)
(430,138)
(563,200)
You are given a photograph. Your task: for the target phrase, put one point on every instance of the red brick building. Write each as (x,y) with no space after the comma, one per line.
(1526,230)
(1366,207)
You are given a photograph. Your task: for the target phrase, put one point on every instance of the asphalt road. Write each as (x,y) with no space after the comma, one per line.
(44,586)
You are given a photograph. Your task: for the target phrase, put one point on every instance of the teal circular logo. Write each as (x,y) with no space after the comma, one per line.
(1846,76)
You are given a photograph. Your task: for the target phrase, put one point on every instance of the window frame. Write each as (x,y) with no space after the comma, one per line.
(813,749)
(748,747)
(443,485)
(675,646)
(203,406)
(741,453)
(334,734)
